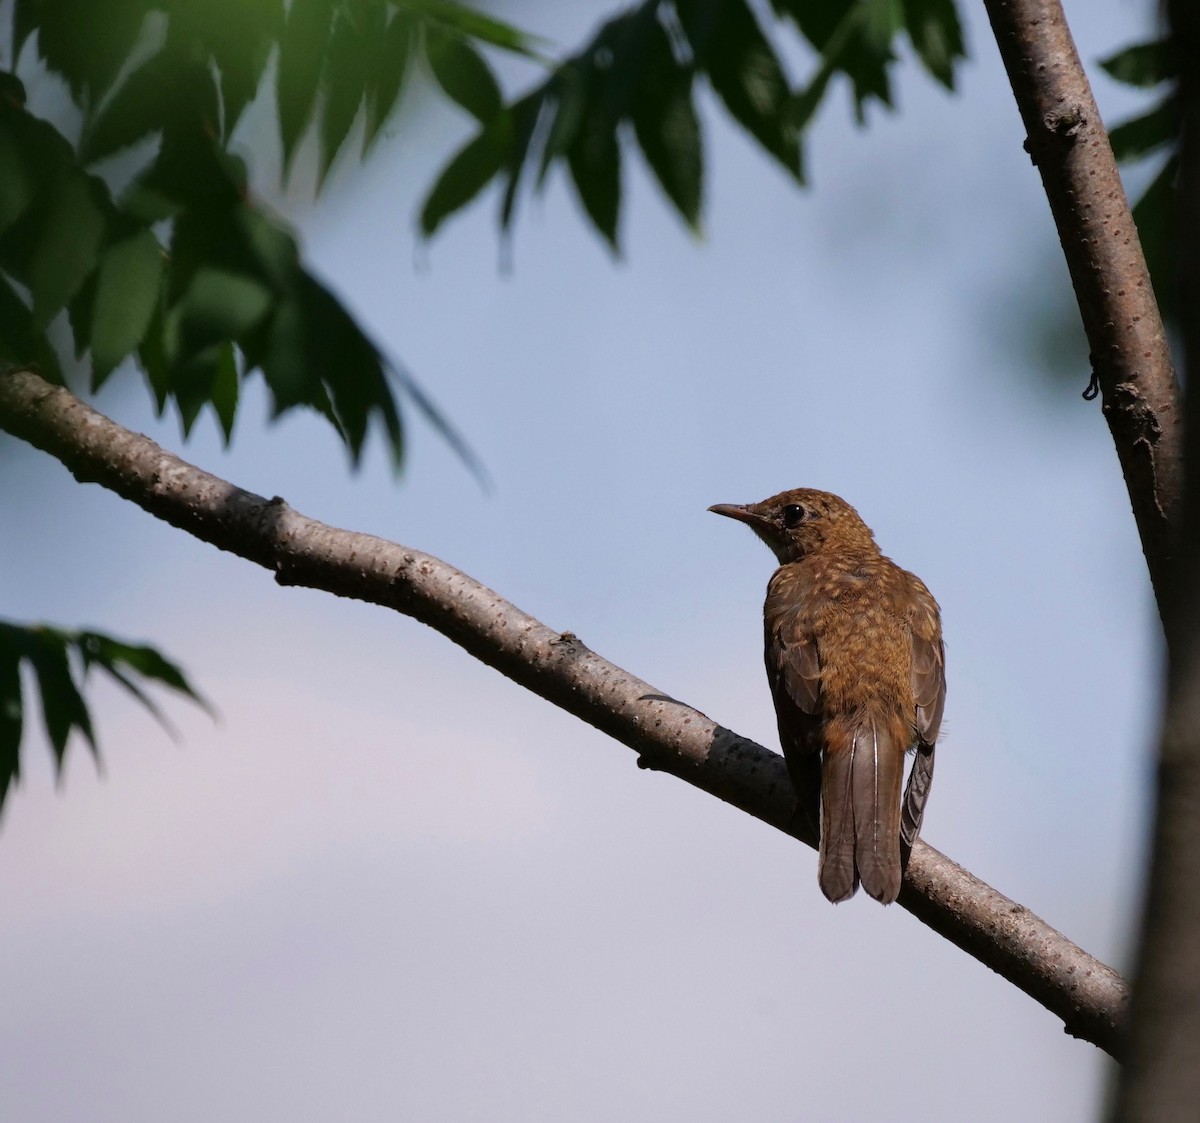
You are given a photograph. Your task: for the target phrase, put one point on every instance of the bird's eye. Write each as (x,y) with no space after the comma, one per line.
(793,515)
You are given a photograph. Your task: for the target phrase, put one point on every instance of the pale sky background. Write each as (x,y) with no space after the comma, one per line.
(391,885)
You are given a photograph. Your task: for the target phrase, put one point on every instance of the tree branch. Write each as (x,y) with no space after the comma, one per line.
(1162,1081)
(1130,356)
(670,736)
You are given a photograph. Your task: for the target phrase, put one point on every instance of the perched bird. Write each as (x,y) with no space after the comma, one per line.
(853,647)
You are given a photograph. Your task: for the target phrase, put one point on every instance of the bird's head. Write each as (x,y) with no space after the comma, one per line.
(802,521)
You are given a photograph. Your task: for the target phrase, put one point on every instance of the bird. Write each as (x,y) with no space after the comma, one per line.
(856,666)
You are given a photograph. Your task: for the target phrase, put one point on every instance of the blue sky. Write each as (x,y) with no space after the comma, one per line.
(388,884)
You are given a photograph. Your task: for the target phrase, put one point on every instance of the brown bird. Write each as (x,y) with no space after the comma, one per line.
(853,647)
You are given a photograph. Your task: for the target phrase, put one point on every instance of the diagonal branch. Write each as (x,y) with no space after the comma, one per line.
(669,735)
(1131,360)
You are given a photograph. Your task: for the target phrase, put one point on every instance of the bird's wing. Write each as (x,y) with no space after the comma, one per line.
(929,694)
(928,675)
(916,794)
(794,667)
(794,674)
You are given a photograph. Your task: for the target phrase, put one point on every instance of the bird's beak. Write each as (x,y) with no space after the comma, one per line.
(738,511)
(762,525)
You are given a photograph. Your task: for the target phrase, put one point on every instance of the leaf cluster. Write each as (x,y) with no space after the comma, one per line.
(635,81)
(59,662)
(182,270)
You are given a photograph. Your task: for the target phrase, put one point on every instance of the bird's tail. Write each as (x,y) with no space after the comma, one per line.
(861,773)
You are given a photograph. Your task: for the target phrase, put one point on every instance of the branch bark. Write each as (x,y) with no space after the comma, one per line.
(668,735)
(1131,360)
(1162,1080)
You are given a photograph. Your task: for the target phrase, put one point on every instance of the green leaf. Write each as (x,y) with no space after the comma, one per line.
(225,391)
(63,707)
(389,65)
(301,59)
(284,358)
(12,91)
(1154,216)
(474,24)
(441,423)
(854,38)
(313,354)
(173,93)
(344,80)
(745,73)
(128,284)
(16,326)
(11,720)
(213,238)
(19,342)
(564,101)
(869,55)
(48,652)
(524,116)
(836,40)
(615,62)
(67,248)
(217,296)
(361,390)
(193,383)
(817,22)
(882,22)
(595,162)
(240,35)
(147,204)
(664,121)
(1144,64)
(86,42)
(219,306)
(25,23)
(1134,139)
(936,36)
(471,169)
(153,359)
(464,76)
(134,112)
(79,317)
(113,655)
(17,182)
(270,248)
(191,173)
(45,153)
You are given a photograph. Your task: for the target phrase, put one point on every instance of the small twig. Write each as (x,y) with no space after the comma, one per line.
(668,735)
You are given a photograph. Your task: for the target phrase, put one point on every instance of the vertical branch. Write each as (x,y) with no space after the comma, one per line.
(1130,357)
(1162,1079)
